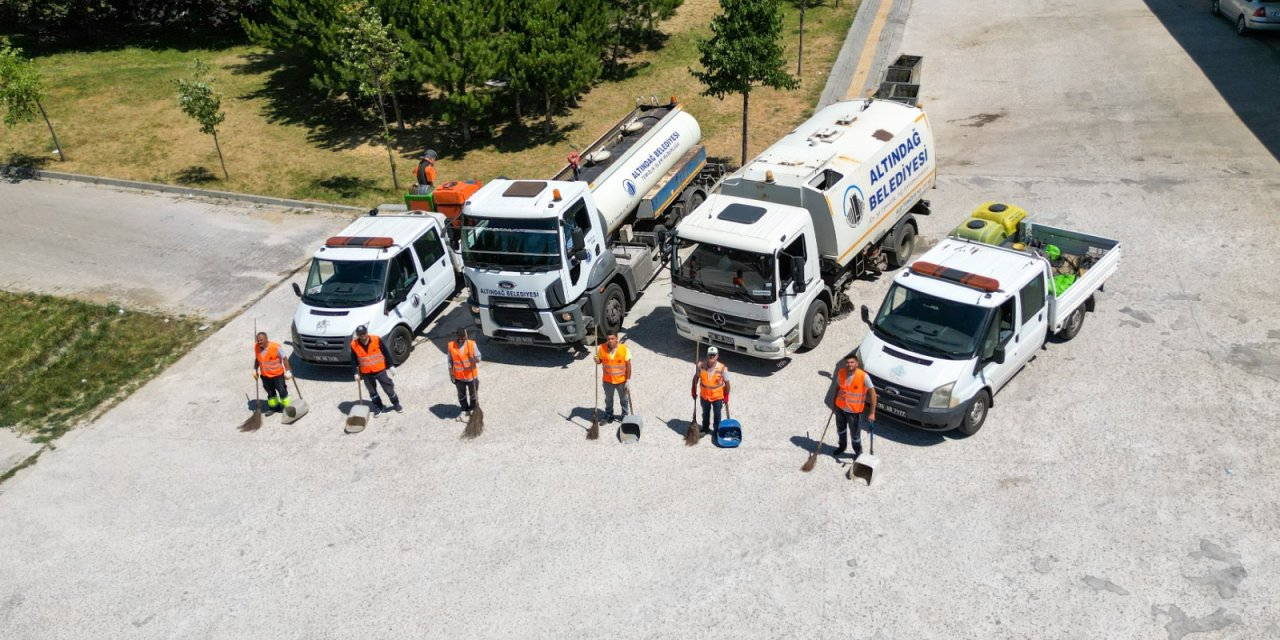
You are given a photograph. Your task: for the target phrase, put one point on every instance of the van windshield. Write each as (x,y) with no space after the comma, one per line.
(930,325)
(721,271)
(531,244)
(337,284)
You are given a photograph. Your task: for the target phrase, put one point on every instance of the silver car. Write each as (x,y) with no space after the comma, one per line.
(1250,15)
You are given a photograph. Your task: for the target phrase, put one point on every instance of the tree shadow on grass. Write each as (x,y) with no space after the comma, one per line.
(346,186)
(98,38)
(194,175)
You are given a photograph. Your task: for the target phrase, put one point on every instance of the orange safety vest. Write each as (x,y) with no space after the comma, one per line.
(426,172)
(270,364)
(852,392)
(615,364)
(465,362)
(370,360)
(712,382)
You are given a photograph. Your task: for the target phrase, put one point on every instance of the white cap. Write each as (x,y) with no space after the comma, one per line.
(711,351)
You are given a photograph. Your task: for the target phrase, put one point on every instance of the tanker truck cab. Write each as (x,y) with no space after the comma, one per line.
(957,325)
(832,201)
(530,248)
(387,272)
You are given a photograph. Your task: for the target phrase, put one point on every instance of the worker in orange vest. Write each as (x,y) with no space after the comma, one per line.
(853,391)
(426,172)
(464,370)
(616,361)
(711,382)
(369,357)
(270,365)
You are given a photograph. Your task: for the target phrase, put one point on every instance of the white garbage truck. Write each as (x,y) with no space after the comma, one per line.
(554,262)
(761,267)
(957,325)
(389,272)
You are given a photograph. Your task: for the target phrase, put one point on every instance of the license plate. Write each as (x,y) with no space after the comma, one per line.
(328,359)
(893,411)
(715,337)
(520,340)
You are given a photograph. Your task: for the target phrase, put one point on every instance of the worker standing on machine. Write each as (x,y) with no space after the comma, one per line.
(711,382)
(853,386)
(426,173)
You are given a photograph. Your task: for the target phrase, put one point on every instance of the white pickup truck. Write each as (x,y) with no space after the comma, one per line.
(957,325)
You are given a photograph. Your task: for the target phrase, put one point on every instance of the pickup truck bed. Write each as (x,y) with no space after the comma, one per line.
(1101,255)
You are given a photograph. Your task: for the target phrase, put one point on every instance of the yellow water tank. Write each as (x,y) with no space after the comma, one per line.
(1006,215)
(984,231)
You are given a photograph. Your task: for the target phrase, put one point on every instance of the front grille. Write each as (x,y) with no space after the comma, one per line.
(904,397)
(323,343)
(517,318)
(731,324)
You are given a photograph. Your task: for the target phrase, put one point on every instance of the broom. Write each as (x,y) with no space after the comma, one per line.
(813,457)
(254,422)
(594,432)
(475,422)
(692,435)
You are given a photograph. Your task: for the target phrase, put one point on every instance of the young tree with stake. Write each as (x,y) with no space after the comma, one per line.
(744,53)
(374,57)
(204,105)
(21,90)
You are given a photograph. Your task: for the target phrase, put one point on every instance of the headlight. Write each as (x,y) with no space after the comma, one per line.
(762,330)
(475,309)
(679,308)
(941,397)
(566,316)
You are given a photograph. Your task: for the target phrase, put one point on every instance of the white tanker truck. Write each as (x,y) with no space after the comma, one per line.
(557,261)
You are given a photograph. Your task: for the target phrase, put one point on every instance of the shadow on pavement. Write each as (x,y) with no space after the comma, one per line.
(1237,67)
(445,411)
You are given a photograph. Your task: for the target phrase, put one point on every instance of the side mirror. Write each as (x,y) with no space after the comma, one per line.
(797,274)
(297,291)
(580,255)
(390,304)
(579,240)
(866,315)
(998,355)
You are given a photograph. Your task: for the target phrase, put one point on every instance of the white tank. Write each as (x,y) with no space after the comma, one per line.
(619,190)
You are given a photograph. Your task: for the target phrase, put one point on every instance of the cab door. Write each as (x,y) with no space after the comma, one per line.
(1000,336)
(1033,319)
(438,280)
(404,301)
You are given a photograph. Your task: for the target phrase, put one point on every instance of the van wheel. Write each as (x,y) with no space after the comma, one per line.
(815,324)
(1242,29)
(900,255)
(399,345)
(976,415)
(1072,326)
(614,310)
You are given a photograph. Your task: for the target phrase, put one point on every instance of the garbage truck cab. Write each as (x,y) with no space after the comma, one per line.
(387,272)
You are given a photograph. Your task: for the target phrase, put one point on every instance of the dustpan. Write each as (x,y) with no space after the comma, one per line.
(629,430)
(729,434)
(867,465)
(358,416)
(296,408)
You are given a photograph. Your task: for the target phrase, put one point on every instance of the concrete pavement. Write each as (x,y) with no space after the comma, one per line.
(1123,487)
(147,250)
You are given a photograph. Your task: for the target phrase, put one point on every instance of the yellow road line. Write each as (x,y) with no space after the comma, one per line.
(869,49)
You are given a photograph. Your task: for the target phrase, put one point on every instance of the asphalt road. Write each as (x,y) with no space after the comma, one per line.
(148,250)
(1123,487)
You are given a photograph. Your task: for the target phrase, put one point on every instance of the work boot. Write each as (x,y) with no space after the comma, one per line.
(397,408)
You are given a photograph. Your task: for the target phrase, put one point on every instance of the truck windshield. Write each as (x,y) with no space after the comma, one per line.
(507,243)
(343,285)
(721,271)
(930,325)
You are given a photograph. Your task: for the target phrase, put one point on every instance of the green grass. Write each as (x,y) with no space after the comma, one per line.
(117,115)
(62,359)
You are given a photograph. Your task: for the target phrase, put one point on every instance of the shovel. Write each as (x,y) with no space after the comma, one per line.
(297,408)
(358,417)
(867,464)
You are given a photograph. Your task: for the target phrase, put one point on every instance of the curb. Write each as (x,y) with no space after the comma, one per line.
(27,173)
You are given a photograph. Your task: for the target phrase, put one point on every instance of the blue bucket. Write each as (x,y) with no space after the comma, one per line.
(729,434)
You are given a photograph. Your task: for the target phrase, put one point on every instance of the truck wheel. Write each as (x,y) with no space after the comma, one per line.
(900,254)
(399,345)
(1072,326)
(976,414)
(614,310)
(815,324)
